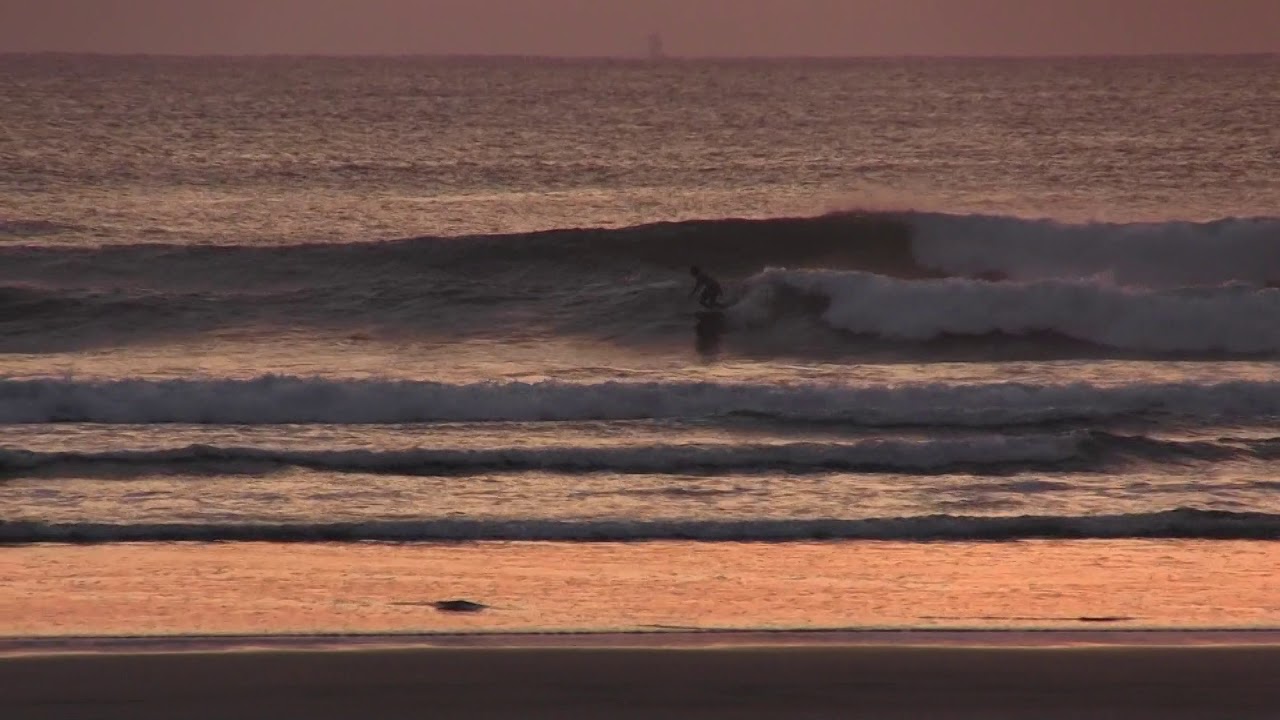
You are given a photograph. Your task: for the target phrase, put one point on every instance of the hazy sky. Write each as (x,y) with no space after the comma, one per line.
(619,27)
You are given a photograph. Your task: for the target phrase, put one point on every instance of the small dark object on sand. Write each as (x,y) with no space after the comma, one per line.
(465,606)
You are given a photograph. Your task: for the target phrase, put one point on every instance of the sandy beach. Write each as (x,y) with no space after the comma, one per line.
(738,682)
(882,630)
(371,588)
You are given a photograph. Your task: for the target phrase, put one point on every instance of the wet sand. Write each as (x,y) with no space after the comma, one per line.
(257,630)
(273,589)
(656,682)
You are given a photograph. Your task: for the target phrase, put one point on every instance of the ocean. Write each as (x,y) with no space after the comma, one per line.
(375,306)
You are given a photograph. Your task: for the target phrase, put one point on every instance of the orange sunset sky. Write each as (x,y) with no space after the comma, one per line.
(619,27)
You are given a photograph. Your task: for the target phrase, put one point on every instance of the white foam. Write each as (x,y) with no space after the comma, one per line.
(1155,254)
(1232,319)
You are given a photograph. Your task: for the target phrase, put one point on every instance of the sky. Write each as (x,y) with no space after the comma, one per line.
(620,27)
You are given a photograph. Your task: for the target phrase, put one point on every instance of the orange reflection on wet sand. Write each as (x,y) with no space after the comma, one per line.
(261,588)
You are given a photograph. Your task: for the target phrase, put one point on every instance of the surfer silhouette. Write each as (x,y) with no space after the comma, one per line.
(711,290)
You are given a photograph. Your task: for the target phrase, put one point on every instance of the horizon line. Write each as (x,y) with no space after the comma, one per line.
(637,58)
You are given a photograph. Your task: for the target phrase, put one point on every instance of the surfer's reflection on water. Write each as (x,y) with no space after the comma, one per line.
(708,333)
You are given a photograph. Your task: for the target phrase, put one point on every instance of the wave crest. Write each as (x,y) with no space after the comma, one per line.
(1231,320)
(1149,254)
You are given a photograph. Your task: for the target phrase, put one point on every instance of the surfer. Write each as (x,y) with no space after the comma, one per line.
(711,290)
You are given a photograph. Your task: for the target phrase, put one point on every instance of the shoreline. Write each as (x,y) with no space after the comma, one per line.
(655,639)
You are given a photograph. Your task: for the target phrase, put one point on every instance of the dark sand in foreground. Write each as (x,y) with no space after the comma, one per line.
(739,682)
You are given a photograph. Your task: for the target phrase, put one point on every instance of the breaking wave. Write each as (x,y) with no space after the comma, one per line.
(1122,286)
(1230,320)
(898,244)
(1148,254)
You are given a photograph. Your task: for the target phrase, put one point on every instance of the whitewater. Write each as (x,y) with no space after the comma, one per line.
(269,308)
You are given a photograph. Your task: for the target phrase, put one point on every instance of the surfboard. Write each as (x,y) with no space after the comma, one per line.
(717,311)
